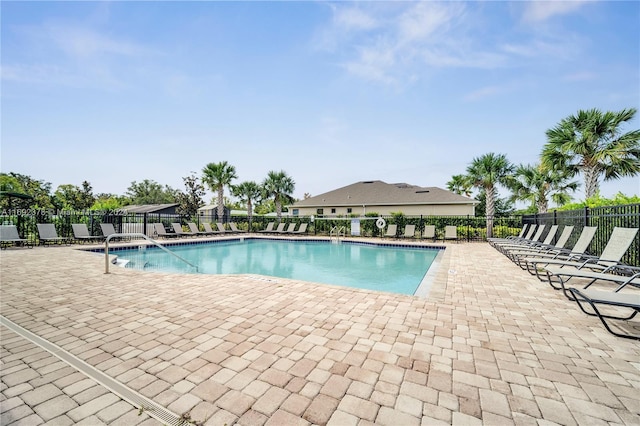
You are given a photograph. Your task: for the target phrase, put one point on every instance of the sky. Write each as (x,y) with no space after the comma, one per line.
(332,93)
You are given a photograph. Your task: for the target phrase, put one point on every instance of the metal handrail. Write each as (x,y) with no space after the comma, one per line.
(136,234)
(337,230)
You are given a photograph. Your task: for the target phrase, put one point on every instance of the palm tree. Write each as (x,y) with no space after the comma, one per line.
(592,143)
(537,183)
(485,172)
(217,176)
(460,184)
(280,186)
(248,192)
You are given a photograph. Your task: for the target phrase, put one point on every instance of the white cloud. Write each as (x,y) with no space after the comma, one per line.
(373,63)
(563,46)
(353,19)
(536,11)
(395,43)
(426,19)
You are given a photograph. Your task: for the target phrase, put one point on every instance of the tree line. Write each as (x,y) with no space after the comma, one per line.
(590,143)
(270,195)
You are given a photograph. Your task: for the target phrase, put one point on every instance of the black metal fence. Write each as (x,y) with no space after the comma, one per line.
(604,218)
(469,228)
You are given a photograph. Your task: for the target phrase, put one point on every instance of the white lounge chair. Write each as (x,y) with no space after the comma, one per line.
(561,271)
(392,230)
(269,228)
(234,228)
(531,262)
(451,232)
(429,232)
(409,231)
(302,229)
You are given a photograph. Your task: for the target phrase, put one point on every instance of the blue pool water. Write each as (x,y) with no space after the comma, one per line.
(368,266)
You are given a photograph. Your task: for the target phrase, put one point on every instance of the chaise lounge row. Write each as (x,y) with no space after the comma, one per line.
(574,272)
(450,232)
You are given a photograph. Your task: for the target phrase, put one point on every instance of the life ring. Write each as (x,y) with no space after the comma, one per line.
(380,223)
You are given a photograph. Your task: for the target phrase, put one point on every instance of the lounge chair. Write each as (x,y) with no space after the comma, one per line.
(47,235)
(9,235)
(535,240)
(392,230)
(409,231)
(221,229)
(598,299)
(302,229)
(107,229)
(451,232)
(510,237)
(161,231)
(282,230)
(545,247)
(208,229)
(534,245)
(511,240)
(429,232)
(609,260)
(234,228)
(81,233)
(269,228)
(279,229)
(177,228)
(531,262)
(196,231)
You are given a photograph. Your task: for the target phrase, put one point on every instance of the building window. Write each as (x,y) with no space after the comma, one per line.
(333,211)
(320,211)
(349,210)
(296,212)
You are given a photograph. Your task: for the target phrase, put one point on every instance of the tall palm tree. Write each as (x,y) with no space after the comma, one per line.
(537,183)
(217,176)
(248,191)
(460,184)
(280,186)
(485,172)
(592,143)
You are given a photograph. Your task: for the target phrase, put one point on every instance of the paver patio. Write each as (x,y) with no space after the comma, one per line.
(489,345)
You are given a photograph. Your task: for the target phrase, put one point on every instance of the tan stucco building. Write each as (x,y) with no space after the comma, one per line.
(385,198)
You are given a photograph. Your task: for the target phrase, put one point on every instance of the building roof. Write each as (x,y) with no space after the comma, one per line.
(147,208)
(210,207)
(377,192)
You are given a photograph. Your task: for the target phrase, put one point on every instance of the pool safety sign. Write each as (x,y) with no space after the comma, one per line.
(355,227)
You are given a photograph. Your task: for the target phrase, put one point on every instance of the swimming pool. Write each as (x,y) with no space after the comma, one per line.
(390,268)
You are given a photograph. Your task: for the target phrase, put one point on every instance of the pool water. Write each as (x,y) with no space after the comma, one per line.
(367,266)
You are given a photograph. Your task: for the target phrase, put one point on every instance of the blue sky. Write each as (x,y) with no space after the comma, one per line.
(330,92)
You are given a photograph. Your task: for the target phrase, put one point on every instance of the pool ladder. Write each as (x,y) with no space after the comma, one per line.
(337,231)
(136,234)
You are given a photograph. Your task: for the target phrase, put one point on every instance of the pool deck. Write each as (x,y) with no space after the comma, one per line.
(489,345)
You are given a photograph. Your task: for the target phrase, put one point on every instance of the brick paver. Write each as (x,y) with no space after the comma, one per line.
(490,344)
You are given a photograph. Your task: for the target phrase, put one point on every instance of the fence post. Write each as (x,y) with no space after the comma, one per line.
(586,215)
(144,224)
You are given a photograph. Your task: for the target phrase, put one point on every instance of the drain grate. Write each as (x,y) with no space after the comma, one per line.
(148,406)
